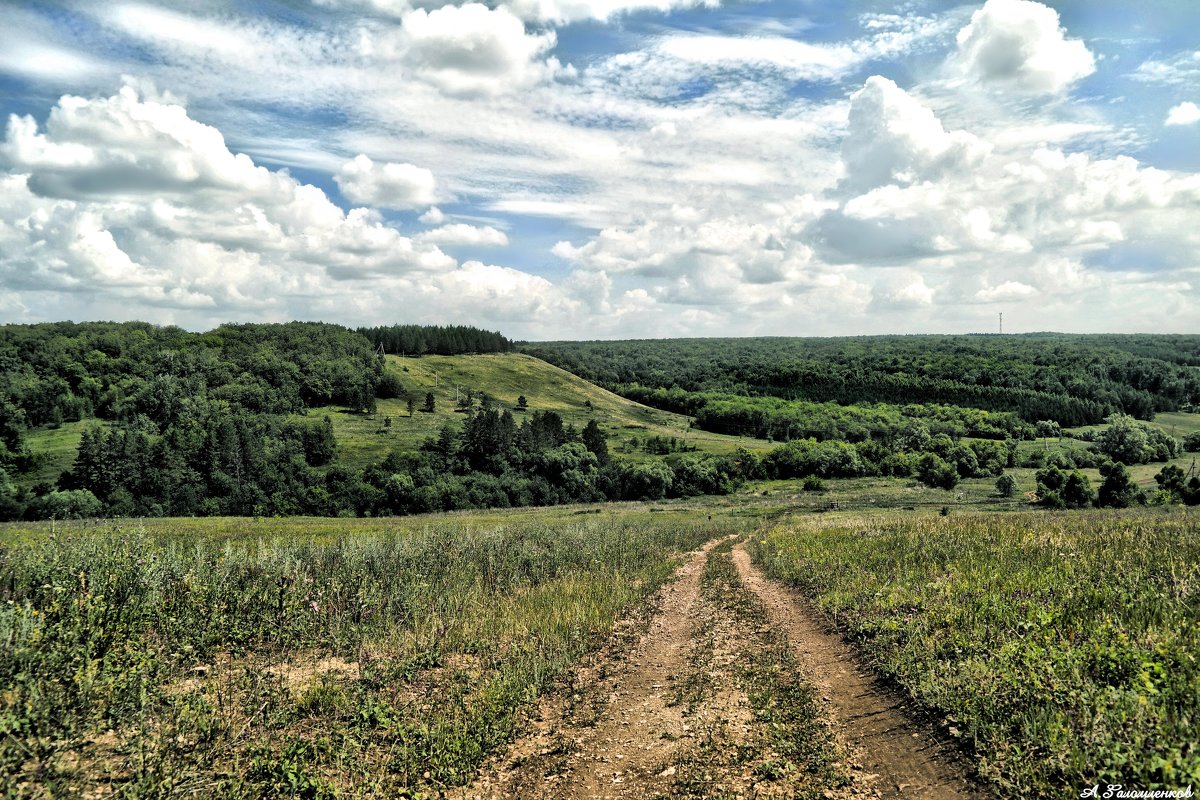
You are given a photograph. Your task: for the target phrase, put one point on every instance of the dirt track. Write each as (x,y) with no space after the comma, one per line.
(677,714)
(907,760)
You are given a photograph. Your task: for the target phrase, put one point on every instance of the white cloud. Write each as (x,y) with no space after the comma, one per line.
(1180,69)
(823,62)
(473,49)
(125,197)
(893,138)
(464,235)
(1186,113)
(386,185)
(433,216)
(903,290)
(671,171)
(487,291)
(566,11)
(1009,291)
(1020,45)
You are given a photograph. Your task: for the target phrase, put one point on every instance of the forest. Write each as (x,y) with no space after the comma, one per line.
(442,340)
(1070,379)
(219,423)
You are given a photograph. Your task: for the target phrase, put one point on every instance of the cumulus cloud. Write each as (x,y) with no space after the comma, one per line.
(501,293)
(1020,45)
(893,138)
(386,185)
(903,290)
(473,49)
(1186,113)
(911,190)
(1179,69)
(434,216)
(130,197)
(464,235)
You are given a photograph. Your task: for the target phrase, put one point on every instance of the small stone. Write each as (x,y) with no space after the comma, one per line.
(667,773)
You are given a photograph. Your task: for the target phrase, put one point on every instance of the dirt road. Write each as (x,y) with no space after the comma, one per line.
(727,687)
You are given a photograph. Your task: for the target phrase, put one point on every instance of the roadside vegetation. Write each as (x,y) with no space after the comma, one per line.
(358,663)
(1060,648)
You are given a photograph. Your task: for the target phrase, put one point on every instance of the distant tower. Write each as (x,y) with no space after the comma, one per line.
(1001,322)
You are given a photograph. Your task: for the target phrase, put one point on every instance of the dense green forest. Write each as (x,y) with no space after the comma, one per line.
(218,423)
(442,340)
(1070,379)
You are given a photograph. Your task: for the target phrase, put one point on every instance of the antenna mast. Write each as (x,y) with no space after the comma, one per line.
(1002,322)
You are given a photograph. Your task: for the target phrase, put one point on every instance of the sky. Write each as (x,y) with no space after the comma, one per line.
(596,169)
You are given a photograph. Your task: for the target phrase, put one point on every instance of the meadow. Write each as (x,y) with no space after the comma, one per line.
(294,658)
(1060,649)
(505,377)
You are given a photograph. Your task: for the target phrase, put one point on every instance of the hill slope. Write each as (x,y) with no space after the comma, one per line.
(504,377)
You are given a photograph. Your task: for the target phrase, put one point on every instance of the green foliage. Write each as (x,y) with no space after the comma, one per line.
(810,457)
(935,472)
(1131,442)
(783,420)
(1175,487)
(1072,380)
(1006,485)
(1118,489)
(1060,648)
(1058,488)
(1191,442)
(446,340)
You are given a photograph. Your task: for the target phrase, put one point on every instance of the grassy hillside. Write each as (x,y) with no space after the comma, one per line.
(364,438)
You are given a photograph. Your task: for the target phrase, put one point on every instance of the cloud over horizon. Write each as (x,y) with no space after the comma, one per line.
(538,166)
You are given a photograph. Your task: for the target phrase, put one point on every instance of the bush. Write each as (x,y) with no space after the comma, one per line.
(936,472)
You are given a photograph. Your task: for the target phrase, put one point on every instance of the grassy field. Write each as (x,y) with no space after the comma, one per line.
(1061,648)
(299,658)
(363,439)
(55,449)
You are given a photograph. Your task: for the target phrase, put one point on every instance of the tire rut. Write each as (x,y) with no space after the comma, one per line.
(627,748)
(906,759)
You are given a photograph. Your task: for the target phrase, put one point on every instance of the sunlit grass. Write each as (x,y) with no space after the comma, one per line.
(1062,647)
(358,657)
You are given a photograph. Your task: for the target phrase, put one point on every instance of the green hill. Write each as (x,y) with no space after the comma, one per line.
(504,377)
(364,438)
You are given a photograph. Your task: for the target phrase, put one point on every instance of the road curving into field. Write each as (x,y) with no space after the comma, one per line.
(726,686)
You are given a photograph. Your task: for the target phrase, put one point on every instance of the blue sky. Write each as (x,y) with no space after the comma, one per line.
(604,168)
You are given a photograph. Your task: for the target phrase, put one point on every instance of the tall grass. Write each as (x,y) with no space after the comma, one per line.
(1063,648)
(154,665)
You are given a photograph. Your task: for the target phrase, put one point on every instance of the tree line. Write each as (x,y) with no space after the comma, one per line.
(442,340)
(1071,379)
(769,417)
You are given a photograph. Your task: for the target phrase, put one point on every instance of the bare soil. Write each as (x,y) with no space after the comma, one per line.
(663,712)
(906,758)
